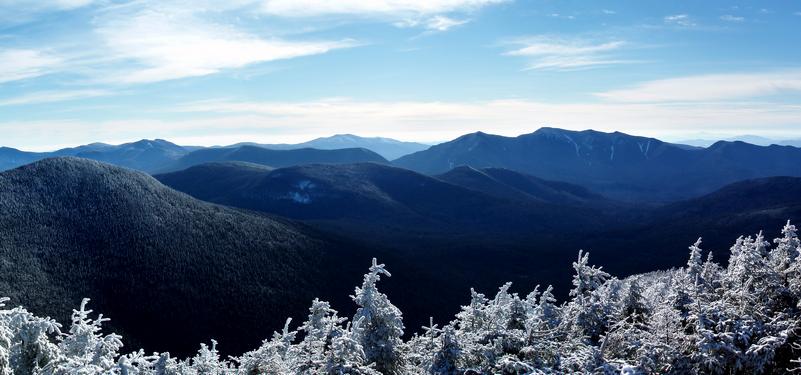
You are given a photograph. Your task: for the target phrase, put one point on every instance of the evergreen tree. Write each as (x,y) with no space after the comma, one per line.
(382,327)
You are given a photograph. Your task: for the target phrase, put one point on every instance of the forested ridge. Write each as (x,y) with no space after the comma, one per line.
(702,318)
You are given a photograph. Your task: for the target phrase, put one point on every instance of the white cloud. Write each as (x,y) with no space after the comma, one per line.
(442,23)
(165,44)
(433,15)
(555,53)
(797,13)
(709,87)
(731,18)
(682,20)
(18,64)
(608,11)
(432,24)
(307,8)
(53,96)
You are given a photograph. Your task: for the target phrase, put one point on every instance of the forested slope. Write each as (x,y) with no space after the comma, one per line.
(162,263)
(702,318)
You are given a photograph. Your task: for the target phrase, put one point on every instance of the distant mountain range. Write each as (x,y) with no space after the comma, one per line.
(145,155)
(752,139)
(618,165)
(388,148)
(160,155)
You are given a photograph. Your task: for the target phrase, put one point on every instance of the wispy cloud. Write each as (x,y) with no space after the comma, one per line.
(682,20)
(558,53)
(17,64)
(436,23)
(731,18)
(712,87)
(53,96)
(48,4)
(194,46)
(308,8)
(442,23)
(432,15)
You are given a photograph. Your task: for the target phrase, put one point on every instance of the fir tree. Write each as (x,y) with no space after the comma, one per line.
(382,327)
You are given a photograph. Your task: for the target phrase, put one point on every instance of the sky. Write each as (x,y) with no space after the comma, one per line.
(206,72)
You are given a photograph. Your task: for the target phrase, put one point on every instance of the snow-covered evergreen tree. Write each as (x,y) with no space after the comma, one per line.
(382,323)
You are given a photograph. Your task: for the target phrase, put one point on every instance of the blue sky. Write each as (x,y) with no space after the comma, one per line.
(212,72)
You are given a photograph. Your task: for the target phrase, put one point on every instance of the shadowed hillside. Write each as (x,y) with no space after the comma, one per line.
(159,261)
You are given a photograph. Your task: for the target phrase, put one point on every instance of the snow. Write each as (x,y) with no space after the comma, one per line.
(302,196)
(573,143)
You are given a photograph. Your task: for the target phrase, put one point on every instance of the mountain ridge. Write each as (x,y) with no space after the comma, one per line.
(618,165)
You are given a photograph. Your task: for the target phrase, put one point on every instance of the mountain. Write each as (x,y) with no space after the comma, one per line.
(274,158)
(171,270)
(791,142)
(388,148)
(12,158)
(752,139)
(617,165)
(505,183)
(370,195)
(145,155)
(744,207)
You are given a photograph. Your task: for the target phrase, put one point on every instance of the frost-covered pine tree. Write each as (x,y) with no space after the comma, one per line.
(447,357)
(321,328)
(85,349)
(26,341)
(695,263)
(633,306)
(787,248)
(547,311)
(382,323)
(587,312)
(347,355)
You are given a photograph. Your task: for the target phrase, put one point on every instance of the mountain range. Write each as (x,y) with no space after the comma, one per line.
(617,165)
(160,155)
(144,155)
(752,139)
